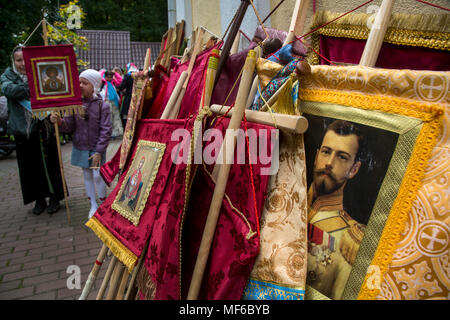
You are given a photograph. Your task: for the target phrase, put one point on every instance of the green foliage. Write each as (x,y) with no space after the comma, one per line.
(145,19)
(61,33)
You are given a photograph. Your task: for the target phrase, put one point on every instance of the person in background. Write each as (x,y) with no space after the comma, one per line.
(126,88)
(91,135)
(36,148)
(109,94)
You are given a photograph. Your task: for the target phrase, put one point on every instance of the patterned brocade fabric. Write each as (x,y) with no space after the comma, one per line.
(420,265)
(279,272)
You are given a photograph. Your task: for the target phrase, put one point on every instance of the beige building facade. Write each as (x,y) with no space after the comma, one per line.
(216,15)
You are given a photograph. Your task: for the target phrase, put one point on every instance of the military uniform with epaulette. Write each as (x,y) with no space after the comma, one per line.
(333,242)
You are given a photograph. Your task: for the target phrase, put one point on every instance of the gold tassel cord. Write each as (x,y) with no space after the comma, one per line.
(428,31)
(66,110)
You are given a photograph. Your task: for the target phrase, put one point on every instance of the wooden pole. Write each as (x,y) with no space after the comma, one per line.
(174,95)
(122,285)
(173,111)
(297,20)
(224,171)
(44,32)
(210,76)
(61,167)
(135,272)
(106,279)
(255,83)
(58,143)
(114,282)
(235,47)
(231,36)
(95,270)
(376,36)
(291,123)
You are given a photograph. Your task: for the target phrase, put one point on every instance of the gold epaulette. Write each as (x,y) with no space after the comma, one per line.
(350,241)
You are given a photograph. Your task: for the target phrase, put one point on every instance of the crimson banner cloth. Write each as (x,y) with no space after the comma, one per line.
(228,77)
(235,244)
(159,87)
(52,77)
(194,89)
(110,169)
(115,224)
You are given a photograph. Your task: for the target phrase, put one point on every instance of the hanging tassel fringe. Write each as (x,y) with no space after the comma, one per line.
(67,110)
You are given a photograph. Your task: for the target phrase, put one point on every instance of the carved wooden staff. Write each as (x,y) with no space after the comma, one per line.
(224,171)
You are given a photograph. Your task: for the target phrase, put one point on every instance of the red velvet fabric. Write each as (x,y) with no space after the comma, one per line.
(62,58)
(391,56)
(191,99)
(160,90)
(110,169)
(135,237)
(162,262)
(227,78)
(232,254)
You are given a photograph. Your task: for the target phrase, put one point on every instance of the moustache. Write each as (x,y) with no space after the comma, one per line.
(320,172)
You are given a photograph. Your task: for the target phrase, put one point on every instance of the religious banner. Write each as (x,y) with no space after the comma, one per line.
(133,194)
(280,269)
(136,104)
(53,78)
(126,219)
(236,242)
(372,134)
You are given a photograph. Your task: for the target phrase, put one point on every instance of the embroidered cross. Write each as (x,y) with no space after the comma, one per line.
(431,87)
(433,238)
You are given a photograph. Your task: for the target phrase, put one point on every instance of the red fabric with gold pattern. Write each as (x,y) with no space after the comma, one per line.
(236,240)
(134,237)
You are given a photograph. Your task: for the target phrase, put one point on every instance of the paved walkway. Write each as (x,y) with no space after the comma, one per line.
(36,251)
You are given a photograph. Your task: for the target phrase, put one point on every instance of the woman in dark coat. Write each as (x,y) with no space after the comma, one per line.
(36,151)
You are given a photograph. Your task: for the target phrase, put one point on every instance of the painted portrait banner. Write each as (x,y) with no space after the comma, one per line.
(133,194)
(53,78)
(139,201)
(372,136)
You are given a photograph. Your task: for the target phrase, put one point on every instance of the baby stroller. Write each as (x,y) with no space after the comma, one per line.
(7,145)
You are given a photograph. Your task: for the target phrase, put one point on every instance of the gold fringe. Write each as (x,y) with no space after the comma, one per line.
(66,110)
(119,250)
(417,22)
(432,115)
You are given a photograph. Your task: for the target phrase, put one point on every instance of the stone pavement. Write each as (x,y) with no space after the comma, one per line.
(36,251)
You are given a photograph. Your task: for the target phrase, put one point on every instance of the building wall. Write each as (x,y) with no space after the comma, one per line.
(207,13)
(282,17)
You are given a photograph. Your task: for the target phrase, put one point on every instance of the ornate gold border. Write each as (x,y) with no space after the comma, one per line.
(125,213)
(67,61)
(431,116)
(119,250)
